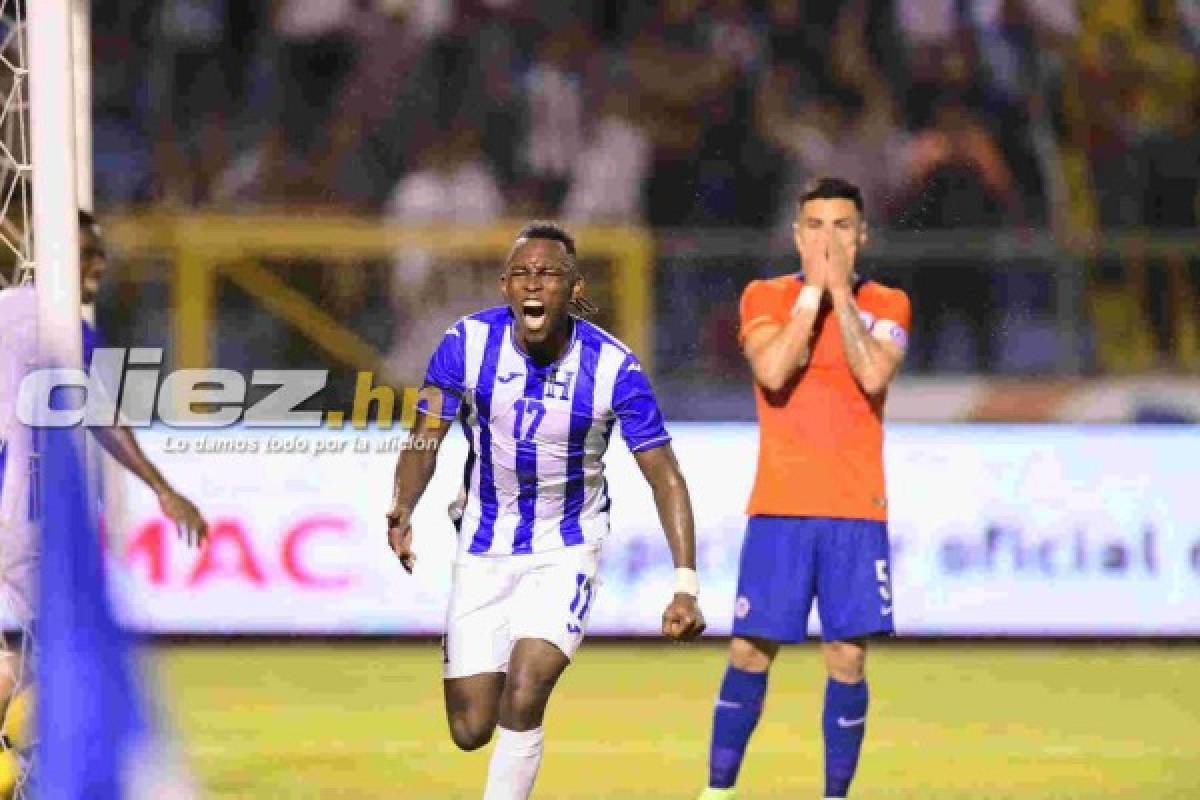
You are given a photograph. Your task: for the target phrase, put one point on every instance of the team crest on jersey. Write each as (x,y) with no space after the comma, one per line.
(558,384)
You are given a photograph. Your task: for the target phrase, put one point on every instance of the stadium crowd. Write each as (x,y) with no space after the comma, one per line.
(686,112)
(1019,114)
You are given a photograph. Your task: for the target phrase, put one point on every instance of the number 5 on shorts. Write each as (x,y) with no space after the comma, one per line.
(881,577)
(583,591)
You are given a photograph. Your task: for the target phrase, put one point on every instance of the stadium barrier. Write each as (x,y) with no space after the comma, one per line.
(1059,307)
(997,530)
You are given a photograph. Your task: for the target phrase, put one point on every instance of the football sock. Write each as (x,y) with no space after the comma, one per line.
(514,764)
(739,705)
(845,724)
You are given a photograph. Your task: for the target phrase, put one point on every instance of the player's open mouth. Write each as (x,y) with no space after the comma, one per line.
(534,312)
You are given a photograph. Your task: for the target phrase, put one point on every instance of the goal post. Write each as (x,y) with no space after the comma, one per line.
(81,58)
(55,203)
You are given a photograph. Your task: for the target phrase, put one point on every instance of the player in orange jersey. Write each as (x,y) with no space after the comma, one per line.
(823,345)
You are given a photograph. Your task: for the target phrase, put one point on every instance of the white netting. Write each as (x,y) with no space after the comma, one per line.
(16,170)
(16,267)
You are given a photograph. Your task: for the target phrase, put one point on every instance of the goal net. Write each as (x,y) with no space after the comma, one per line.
(16,169)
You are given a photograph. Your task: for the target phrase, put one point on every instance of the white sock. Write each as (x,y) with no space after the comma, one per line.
(514,765)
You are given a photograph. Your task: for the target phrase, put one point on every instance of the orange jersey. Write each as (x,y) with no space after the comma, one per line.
(820,448)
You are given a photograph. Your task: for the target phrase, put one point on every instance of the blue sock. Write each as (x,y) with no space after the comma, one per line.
(845,723)
(738,708)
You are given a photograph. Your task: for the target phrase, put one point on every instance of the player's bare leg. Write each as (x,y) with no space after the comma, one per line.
(738,708)
(533,670)
(752,654)
(473,708)
(845,715)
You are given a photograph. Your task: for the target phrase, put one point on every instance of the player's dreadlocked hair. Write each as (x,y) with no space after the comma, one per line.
(556,233)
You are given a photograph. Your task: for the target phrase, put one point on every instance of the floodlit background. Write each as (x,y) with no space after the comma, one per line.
(331,183)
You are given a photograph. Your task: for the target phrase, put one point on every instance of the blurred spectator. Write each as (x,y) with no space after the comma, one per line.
(1010,35)
(358,167)
(191,97)
(315,54)
(957,178)
(733,34)
(122,137)
(502,111)
(678,78)
(956,175)
(1189,21)
(609,172)
(738,173)
(450,184)
(1107,99)
(799,33)
(554,95)
(1016,43)
(1168,103)
(927,23)
(465,76)
(850,132)
(685,113)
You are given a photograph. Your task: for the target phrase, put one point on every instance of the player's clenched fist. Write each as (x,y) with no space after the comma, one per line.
(683,620)
(400,537)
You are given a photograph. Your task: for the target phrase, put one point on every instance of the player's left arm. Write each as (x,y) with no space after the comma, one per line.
(682,620)
(646,435)
(121,445)
(874,355)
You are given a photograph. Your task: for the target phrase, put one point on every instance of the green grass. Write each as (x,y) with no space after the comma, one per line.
(947,721)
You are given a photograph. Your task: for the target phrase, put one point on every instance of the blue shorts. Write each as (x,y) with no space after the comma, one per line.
(787,562)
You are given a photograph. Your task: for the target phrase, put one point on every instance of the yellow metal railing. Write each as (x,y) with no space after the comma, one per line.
(203,248)
(1119,311)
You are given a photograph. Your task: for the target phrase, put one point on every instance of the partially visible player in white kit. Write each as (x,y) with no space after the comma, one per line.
(18,353)
(538,390)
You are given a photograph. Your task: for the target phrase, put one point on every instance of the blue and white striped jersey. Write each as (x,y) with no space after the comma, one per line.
(18,354)
(534,477)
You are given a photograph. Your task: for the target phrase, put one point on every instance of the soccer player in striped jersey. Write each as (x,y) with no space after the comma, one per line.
(18,352)
(538,390)
(823,344)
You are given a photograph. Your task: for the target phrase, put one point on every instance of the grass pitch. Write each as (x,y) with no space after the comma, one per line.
(350,722)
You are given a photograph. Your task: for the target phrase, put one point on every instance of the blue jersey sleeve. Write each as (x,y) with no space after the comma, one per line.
(637,409)
(447,372)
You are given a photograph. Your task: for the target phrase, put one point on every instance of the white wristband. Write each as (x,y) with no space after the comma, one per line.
(687,581)
(810,299)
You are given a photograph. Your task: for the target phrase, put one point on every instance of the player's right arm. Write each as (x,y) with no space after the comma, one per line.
(437,406)
(414,469)
(777,352)
(778,348)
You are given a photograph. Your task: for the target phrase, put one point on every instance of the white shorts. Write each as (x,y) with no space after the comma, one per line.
(496,600)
